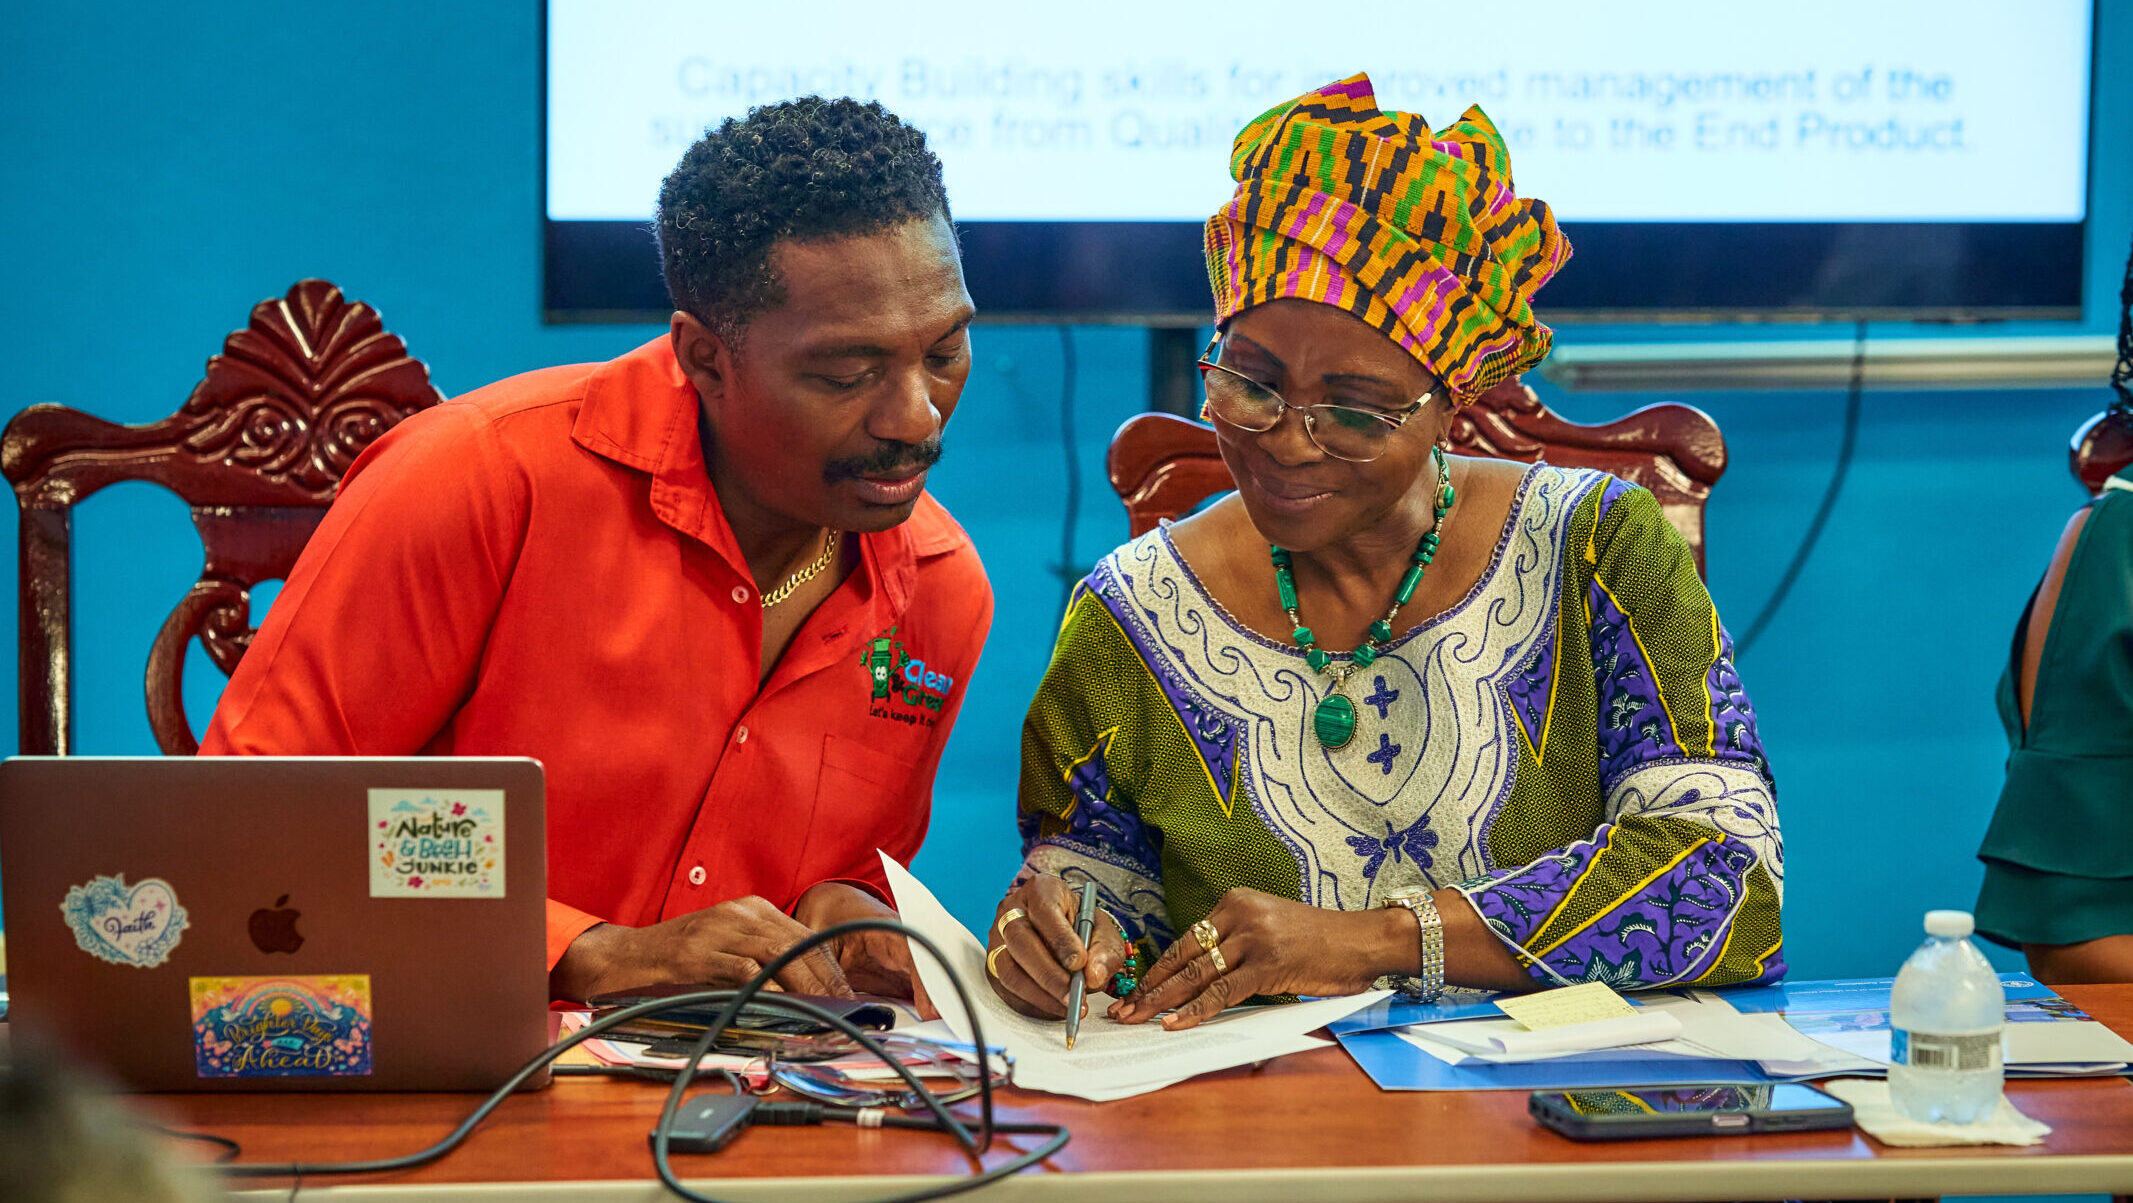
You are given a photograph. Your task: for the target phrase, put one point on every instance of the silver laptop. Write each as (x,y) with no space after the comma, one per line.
(277,923)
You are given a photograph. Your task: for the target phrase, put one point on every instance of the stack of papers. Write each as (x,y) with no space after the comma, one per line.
(2047,1036)
(1110,1060)
(1745,1037)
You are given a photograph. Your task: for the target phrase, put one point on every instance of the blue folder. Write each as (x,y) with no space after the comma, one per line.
(1394,1064)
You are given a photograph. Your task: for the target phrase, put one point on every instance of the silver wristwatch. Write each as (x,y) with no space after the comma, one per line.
(1427,986)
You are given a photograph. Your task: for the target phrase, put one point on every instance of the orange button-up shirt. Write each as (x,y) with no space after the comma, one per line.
(541,568)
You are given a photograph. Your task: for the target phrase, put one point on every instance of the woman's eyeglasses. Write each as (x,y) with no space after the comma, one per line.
(1341,431)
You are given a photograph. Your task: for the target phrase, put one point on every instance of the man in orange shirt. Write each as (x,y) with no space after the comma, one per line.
(702,583)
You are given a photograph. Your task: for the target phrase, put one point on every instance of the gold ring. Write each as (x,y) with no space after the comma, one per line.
(1205,933)
(1013,913)
(992,961)
(1215,954)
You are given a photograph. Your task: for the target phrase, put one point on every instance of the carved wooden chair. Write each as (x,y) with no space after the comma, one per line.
(1163,466)
(2101,448)
(257,451)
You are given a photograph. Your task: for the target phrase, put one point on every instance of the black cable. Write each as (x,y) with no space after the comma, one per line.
(732,1001)
(803,1114)
(1845,448)
(230,1150)
(1070,450)
(947,1120)
(685,1074)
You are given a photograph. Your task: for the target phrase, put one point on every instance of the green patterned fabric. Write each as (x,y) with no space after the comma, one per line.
(2059,854)
(1569,746)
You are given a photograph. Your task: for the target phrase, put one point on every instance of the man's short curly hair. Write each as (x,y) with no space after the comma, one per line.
(799,169)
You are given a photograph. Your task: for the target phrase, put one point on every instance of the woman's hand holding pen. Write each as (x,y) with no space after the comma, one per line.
(1032,954)
(1257,943)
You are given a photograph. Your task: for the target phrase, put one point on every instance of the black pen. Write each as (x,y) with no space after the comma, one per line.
(1084,926)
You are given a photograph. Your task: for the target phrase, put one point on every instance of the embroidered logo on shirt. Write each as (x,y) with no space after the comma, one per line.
(904,688)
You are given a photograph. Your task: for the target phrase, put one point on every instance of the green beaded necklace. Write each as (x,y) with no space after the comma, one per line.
(1333,721)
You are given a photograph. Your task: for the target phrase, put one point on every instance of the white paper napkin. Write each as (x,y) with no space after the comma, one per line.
(1872,1110)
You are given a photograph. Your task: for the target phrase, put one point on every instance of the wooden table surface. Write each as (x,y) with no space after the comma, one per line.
(1305,1126)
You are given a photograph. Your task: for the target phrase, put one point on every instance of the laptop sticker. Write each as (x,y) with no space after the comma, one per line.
(437,843)
(134,925)
(281,1027)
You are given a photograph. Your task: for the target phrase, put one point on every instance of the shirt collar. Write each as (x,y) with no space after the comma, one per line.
(641,412)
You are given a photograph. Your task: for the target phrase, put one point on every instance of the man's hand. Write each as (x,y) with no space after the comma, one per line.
(721,946)
(875,962)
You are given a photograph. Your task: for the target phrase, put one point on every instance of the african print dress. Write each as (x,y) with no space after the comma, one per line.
(1568,745)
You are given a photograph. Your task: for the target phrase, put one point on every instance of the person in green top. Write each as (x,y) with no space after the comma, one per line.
(2059,853)
(1387,713)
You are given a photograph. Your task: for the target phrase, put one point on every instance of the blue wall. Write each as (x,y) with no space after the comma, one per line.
(164,170)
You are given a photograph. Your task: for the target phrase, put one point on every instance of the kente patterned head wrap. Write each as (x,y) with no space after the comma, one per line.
(1417,233)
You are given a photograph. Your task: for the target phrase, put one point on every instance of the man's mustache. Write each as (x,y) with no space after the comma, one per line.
(890,459)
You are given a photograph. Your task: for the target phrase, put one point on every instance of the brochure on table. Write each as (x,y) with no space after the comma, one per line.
(1750,1036)
(2047,1036)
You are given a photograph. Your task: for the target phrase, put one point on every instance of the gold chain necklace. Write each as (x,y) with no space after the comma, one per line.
(797,579)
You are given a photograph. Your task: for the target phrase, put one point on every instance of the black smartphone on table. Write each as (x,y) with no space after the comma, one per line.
(1637,1113)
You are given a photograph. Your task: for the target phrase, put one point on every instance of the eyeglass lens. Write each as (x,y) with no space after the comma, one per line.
(1338,430)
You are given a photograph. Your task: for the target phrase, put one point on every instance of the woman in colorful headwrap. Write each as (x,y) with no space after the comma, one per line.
(1384,712)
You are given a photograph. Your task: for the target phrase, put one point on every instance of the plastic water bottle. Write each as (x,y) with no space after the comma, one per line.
(1947,1015)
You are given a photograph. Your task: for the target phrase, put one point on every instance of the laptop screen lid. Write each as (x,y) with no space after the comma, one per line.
(278,923)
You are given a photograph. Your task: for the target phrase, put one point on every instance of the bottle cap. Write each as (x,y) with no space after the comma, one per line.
(1951,925)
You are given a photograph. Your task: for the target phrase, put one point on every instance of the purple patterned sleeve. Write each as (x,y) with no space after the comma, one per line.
(1684,881)
(1077,812)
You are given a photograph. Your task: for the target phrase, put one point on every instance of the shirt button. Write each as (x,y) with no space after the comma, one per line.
(696,876)
(741,736)
(740,595)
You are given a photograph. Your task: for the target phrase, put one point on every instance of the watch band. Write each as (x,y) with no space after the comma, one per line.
(1428,985)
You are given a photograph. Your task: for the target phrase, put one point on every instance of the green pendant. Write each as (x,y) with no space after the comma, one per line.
(1334,721)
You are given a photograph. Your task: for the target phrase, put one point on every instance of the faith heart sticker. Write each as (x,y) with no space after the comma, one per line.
(137,925)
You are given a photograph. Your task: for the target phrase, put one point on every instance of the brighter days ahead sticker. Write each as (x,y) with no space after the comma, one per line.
(281,1027)
(437,843)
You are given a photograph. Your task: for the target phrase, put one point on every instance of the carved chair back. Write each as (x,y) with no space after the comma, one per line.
(257,451)
(2101,448)
(1162,466)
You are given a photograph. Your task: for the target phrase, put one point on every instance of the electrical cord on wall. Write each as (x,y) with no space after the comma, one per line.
(974,1144)
(1845,448)
(1070,451)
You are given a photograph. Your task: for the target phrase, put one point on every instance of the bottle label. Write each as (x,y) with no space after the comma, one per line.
(1922,1050)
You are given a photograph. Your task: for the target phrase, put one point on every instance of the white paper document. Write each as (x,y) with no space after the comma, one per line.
(1513,1039)
(1710,1023)
(2069,1047)
(1703,1027)
(1110,1060)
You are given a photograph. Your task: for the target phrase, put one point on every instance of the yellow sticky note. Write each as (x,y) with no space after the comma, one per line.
(1582,1003)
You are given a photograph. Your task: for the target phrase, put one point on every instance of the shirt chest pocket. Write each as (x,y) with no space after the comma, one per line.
(866,798)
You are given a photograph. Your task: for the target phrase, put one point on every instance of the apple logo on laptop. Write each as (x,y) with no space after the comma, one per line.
(274,930)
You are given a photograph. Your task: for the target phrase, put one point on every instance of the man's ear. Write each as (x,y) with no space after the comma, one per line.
(703,355)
